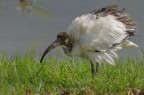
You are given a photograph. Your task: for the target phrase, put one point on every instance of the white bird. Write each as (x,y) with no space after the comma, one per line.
(97,36)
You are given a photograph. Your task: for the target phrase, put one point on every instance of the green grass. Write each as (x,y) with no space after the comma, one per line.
(21,74)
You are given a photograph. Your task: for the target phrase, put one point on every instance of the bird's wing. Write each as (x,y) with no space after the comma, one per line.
(119,14)
(103,29)
(103,34)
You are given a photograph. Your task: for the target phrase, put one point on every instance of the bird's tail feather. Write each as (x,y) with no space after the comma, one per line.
(128,43)
(125,44)
(110,55)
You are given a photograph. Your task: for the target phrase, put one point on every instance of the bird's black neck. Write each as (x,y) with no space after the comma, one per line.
(67,48)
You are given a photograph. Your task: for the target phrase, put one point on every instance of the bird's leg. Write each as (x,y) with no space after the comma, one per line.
(93,72)
(97,67)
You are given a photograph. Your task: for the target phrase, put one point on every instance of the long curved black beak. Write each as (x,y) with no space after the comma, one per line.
(52,46)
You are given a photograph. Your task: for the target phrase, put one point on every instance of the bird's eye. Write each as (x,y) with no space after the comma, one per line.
(63,39)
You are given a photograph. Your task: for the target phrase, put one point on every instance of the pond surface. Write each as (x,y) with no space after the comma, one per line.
(19,33)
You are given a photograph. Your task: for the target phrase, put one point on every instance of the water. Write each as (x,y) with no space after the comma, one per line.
(19,33)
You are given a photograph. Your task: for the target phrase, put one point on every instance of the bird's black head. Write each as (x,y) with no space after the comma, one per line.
(62,39)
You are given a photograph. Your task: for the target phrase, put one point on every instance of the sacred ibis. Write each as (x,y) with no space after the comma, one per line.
(97,36)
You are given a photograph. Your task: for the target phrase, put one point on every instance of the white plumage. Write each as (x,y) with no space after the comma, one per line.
(97,36)
(89,34)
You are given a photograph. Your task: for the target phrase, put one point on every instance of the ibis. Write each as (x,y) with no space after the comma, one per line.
(97,36)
